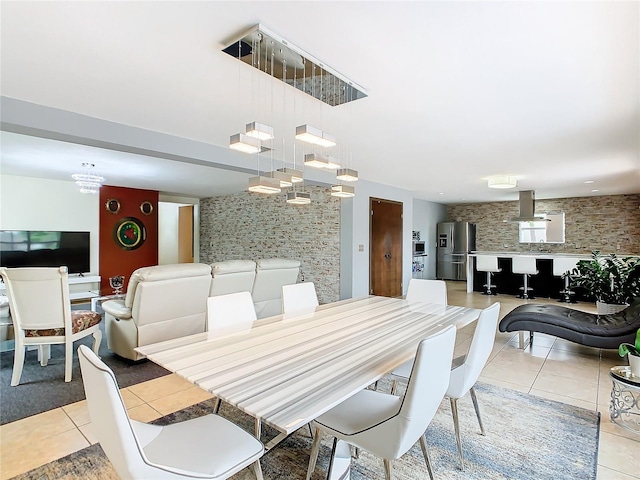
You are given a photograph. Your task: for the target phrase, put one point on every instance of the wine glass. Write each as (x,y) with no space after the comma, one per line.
(116,283)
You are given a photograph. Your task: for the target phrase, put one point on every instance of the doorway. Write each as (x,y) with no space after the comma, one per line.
(385,255)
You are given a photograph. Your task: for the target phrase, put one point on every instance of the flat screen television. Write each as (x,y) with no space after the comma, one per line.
(22,248)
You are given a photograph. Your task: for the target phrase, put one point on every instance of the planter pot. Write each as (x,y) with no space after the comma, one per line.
(609,308)
(634,364)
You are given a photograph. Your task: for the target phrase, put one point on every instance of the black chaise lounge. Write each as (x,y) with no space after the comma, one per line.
(601,331)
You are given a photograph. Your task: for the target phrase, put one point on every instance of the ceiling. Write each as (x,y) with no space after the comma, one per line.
(548,92)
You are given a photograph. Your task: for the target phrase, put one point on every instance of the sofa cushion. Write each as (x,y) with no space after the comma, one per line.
(233,266)
(163,272)
(277,263)
(117,309)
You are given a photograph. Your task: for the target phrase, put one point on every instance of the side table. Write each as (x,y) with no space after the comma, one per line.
(96,300)
(625,399)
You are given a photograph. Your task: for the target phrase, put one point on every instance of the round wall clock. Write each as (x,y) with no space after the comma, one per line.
(129,233)
(146,208)
(112,205)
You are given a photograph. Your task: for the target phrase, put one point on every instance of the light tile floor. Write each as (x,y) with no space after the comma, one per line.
(552,368)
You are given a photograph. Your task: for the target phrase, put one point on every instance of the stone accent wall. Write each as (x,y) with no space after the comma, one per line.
(253,226)
(610,224)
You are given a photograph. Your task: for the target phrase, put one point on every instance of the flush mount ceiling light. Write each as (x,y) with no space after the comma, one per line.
(299,198)
(347,175)
(343,191)
(502,181)
(244,143)
(296,175)
(279,58)
(259,131)
(88,181)
(263,184)
(320,161)
(315,136)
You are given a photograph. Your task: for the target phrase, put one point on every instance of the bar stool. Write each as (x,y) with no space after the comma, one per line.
(562,266)
(489,264)
(526,266)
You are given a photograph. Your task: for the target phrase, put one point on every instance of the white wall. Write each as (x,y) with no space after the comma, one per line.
(28,203)
(426,216)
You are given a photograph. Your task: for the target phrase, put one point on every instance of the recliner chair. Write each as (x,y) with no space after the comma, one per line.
(163,302)
(232,276)
(271,275)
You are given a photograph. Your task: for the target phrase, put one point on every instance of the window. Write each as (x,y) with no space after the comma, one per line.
(550,229)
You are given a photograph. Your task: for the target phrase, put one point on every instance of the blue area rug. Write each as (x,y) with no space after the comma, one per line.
(527,438)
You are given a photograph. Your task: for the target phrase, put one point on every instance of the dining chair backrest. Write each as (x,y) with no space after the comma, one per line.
(109,419)
(231,312)
(425,390)
(427,291)
(299,297)
(38,297)
(478,354)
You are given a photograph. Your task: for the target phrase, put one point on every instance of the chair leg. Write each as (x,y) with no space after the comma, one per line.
(315,448)
(97,339)
(216,406)
(310,430)
(388,469)
(425,452)
(456,425)
(68,360)
(394,386)
(257,470)
(44,354)
(18,362)
(474,399)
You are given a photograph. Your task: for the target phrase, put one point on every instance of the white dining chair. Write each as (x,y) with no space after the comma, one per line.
(230,313)
(204,447)
(467,368)
(299,297)
(41,314)
(387,425)
(428,291)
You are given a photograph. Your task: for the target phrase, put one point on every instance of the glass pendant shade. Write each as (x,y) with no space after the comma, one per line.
(259,131)
(244,143)
(283,179)
(343,191)
(298,198)
(347,175)
(264,185)
(320,161)
(502,181)
(315,136)
(296,175)
(88,182)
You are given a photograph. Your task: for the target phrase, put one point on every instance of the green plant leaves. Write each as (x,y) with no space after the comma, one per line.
(611,279)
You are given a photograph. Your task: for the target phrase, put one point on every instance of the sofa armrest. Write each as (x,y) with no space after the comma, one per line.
(117,309)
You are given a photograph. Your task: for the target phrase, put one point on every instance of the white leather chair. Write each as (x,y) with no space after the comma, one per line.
(271,275)
(466,369)
(163,302)
(489,264)
(526,266)
(41,314)
(562,267)
(427,291)
(232,276)
(299,297)
(204,447)
(386,425)
(230,313)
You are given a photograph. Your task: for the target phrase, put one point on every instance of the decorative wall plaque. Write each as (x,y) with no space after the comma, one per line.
(129,233)
(112,205)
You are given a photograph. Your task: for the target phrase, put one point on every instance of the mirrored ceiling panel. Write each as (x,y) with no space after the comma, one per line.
(273,55)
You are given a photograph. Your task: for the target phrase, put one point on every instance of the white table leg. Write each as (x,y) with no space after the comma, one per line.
(340,468)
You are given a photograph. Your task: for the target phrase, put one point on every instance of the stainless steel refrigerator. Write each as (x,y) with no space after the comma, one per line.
(455,241)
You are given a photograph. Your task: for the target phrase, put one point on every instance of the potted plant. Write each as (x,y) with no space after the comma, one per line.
(614,281)
(633,354)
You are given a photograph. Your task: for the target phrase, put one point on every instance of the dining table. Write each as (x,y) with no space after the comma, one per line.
(288,369)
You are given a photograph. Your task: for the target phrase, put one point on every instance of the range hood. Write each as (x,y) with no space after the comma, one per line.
(527,208)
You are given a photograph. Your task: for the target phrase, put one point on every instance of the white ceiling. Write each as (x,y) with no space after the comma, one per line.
(546,91)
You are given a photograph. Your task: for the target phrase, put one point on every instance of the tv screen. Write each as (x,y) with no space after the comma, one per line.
(21,248)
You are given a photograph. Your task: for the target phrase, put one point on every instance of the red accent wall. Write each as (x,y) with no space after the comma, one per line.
(115,260)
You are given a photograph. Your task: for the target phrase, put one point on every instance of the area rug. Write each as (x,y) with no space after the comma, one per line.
(44,388)
(527,438)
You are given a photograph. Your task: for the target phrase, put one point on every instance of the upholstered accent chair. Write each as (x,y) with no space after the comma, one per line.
(42,316)
(231,276)
(271,275)
(163,302)
(205,447)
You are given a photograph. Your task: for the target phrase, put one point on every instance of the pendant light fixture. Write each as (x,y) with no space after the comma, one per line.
(347,175)
(244,143)
(320,161)
(89,182)
(259,131)
(262,184)
(315,136)
(343,191)
(299,198)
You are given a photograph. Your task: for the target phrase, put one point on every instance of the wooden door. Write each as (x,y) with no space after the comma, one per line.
(185,234)
(385,255)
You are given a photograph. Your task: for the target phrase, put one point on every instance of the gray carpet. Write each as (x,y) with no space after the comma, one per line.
(44,388)
(528,438)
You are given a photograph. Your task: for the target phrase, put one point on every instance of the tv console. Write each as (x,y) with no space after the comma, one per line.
(77,280)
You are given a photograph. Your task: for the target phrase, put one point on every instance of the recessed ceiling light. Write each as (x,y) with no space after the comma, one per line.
(589,181)
(440,193)
(595,190)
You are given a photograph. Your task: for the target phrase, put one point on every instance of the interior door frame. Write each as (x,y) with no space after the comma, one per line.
(378,199)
